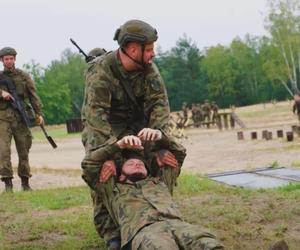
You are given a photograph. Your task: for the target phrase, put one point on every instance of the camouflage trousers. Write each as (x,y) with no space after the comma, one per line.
(23,140)
(104,223)
(174,234)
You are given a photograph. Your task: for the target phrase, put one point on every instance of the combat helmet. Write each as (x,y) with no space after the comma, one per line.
(135,31)
(8,51)
(96,52)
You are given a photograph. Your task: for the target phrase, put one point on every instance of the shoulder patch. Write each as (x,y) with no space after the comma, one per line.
(155,84)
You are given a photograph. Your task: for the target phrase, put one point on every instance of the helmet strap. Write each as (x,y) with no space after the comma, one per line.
(141,63)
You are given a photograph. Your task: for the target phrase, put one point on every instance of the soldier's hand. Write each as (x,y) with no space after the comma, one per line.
(149,134)
(130,142)
(108,170)
(39,120)
(166,158)
(6,95)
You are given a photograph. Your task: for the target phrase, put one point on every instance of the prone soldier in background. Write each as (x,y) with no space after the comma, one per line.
(13,123)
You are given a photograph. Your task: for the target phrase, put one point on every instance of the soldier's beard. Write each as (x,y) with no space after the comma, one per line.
(135,177)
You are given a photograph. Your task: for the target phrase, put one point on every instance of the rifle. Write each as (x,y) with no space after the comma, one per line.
(17,104)
(87,58)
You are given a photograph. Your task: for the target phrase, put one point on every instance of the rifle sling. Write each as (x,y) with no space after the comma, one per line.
(125,85)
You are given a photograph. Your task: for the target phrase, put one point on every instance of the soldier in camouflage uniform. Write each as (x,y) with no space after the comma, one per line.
(124,95)
(185,110)
(147,217)
(215,110)
(198,115)
(95,53)
(11,124)
(207,111)
(296,105)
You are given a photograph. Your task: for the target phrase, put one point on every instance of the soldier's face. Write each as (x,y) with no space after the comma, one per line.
(149,53)
(8,61)
(134,167)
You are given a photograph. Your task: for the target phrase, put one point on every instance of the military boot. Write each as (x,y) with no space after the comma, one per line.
(279,245)
(114,244)
(25,184)
(8,184)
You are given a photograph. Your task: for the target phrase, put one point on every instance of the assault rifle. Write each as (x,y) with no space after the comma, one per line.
(87,58)
(17,104)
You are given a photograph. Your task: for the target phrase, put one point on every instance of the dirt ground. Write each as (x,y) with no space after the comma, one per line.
(208,150)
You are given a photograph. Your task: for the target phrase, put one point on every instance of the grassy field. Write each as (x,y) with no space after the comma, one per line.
(55,131)
(241,218)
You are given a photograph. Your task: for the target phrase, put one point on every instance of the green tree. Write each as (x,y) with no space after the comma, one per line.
(181,71)
(221,75)
(283,23)
(60,86)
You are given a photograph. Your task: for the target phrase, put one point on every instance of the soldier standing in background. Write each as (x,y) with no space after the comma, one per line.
(215,111)
(11,123)
(296,106)
(207,111)
(184,109)
(124,95)
(198,115)
(95,53)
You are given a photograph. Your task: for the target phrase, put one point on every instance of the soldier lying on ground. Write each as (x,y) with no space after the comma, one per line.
(143,209)
(158,160)
(147,216)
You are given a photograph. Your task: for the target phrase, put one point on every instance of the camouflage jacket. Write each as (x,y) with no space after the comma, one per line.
(206,108)
(136,205)
(107,111)
(26,91)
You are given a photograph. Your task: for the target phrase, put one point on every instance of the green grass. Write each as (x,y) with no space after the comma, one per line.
(56,132)
(241,218)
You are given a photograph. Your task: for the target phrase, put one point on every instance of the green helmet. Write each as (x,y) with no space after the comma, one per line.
(135,31)
(8,51)
(96,52)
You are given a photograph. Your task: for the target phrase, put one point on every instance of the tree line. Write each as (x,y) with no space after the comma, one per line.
(247,71)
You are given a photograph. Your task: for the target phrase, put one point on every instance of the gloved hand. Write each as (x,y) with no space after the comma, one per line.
(166,158)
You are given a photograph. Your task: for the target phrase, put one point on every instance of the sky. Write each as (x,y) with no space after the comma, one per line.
(40,29)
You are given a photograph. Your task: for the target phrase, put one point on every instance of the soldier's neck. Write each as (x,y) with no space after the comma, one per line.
(128,64)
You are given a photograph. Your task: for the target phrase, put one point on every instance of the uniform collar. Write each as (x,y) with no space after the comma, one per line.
(7,71)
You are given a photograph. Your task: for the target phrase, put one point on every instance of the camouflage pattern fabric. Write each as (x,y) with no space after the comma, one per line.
(174,234)
(106,110)
(215,110)
(296,109)
(207,111)
(11,124)
(146,214)
(107,116)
